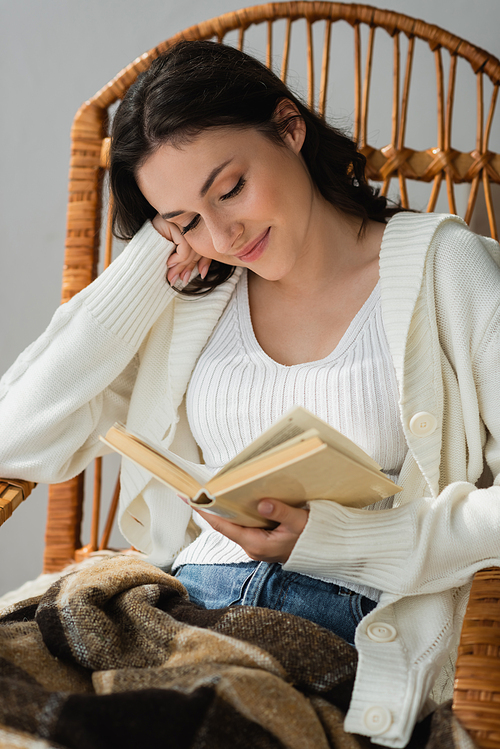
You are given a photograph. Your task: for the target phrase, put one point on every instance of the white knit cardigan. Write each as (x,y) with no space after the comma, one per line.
(125,348)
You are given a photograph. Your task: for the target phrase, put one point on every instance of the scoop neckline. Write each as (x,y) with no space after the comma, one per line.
(347,340)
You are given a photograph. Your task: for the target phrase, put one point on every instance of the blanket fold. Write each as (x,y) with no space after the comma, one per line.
(115,655)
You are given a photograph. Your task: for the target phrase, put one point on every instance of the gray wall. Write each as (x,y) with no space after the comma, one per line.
(55,54)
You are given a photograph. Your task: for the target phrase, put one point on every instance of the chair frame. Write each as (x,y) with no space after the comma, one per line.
(90,147)
(475,704)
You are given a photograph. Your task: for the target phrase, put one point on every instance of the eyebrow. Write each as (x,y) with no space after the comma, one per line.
(205,188)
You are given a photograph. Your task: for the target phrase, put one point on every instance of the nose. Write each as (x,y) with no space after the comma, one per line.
(224,233)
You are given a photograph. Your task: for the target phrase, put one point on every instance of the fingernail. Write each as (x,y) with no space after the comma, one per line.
(203,272)
(174,280)
(186,276)
(265,507)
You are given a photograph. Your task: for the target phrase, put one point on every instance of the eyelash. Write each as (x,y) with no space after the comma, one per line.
(231,194)
(236,189)
(192,225)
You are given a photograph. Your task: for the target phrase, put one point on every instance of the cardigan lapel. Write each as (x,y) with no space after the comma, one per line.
(408,309)
(193,322)
(168,358)
(409,321)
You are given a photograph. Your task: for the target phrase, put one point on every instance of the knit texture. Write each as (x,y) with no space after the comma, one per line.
(237,391)
(440,306)
(116,655)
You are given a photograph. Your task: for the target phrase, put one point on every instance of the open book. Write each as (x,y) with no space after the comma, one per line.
(300,458)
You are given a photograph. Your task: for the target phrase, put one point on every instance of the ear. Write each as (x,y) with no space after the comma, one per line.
(291,124)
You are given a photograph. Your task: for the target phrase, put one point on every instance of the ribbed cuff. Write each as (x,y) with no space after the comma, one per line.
(361,546)
(128,297)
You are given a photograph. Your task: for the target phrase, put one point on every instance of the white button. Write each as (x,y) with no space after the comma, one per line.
(423,424)
(377,719)
(381,632)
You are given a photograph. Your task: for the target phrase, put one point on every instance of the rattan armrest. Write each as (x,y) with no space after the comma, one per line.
(12,493)
(476,700)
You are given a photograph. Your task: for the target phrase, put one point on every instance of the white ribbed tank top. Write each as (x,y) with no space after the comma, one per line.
(237,391)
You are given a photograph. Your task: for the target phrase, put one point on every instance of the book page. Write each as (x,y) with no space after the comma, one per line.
(293,424)
(198,472)
(276,450)
(321,472)
(272,460)
(270,440)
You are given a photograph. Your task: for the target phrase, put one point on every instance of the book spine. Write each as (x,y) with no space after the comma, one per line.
(203,498)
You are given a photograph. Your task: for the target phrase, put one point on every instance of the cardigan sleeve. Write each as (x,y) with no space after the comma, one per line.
(428,546)
(76,379)
(436,542)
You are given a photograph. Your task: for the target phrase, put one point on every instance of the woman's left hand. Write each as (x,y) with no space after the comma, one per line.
(183,260)
(259,543)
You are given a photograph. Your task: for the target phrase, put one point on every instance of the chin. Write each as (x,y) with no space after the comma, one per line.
(270,274)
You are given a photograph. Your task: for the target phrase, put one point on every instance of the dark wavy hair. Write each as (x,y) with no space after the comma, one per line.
(197,85)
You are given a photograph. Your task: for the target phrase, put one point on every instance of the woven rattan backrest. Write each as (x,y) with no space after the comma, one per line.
(319,30)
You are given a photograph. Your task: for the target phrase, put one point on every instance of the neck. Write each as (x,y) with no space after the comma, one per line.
(335,253)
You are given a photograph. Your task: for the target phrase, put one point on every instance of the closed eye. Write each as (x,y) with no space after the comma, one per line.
(231,194)
(236,189)
(192,225)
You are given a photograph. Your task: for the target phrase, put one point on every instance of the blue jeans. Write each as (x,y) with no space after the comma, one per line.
(215,586)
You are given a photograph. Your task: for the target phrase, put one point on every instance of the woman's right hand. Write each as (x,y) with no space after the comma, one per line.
(182,262)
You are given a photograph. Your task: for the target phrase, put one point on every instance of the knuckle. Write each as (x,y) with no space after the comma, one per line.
(256,557)
(253,553)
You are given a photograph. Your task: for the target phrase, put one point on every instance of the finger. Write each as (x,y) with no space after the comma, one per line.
(203,262)
(180,272)
(173,259)
(162,227)
(177,236)
(180,258)
(293,518)
(204,265)
(196,263)
(232,531)
(183,250)
(182,269)
(172,276)
(259,543)
(187,273)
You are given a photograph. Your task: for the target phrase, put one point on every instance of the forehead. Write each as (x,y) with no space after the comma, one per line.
(175,171)
(204,148)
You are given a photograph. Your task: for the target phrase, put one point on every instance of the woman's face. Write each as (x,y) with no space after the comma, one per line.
(237,196)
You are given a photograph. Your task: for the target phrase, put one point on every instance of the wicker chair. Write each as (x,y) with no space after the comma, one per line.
(477,693)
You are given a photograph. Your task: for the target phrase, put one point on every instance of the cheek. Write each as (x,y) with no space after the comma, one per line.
(202,244)
(262,202)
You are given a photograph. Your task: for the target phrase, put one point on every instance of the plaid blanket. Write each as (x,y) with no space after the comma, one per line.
(115,655)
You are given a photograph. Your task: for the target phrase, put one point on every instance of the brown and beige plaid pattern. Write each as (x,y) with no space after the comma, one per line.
(115,655)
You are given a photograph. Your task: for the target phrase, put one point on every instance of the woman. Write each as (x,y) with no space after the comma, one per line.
(303,288)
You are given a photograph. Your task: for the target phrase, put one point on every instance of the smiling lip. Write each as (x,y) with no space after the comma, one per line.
(254,251)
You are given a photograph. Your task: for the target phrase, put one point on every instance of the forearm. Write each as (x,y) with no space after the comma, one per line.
(77,377)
